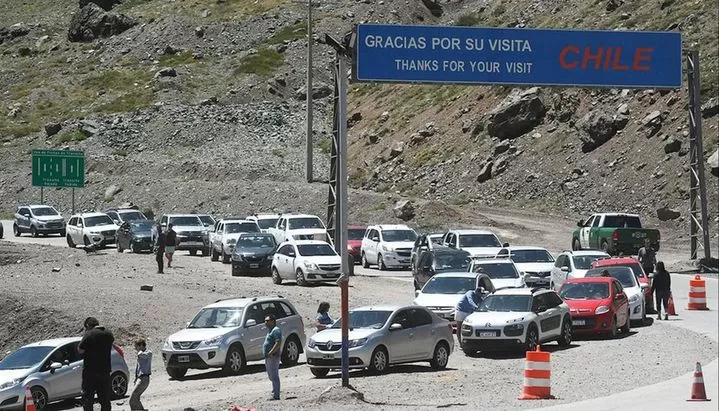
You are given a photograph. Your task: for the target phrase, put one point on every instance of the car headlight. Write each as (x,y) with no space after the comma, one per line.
(311,265)
(10,384)
(231,241)
(601,309)
(514,330)
(634,299)
(167,344)
(311,343)
(385,248)
(356,343)
(213,341)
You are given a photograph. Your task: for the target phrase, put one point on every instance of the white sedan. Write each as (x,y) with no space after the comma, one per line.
(443,291)
(502,271)
(306,261)
(632,288)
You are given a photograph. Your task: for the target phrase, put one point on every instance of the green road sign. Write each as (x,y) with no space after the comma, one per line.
(58,168)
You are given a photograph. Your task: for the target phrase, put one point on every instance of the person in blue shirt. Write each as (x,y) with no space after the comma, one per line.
(470,302)
(271,348)
(143,370)
(323,317)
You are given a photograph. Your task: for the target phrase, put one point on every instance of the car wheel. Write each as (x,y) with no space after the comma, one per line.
(193,252)
(300,278)
(276,276)
(62,233)
(319,372)
(86,241)
(605,247)
(380,263)
(379,361)
(365,264)
(576,245)
(33,231)
(225,257)
(530,344)
(613,330)
(627,327)
(205,252)
(565,338)
(235,361)
(118,382)
(176,373)
(215,256)
(291,352)
(39,397)
(134,249)
(235,272)
(441,356)
(70,243)
(16,230)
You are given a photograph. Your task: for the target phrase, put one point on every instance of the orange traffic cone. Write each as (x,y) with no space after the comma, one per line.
(698,392)
(537,372)
(30,403)
(670,309)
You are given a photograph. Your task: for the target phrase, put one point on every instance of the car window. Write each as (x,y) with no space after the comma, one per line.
(355,234)
(44,211)
(596,222)
(191,221)
(23,211)
(305,222)
(217,318)
(479,240)
(95,221)
(207,220)
(256,241)
(531,256)
(274,308)
(445,262)
(163,220)
(113,215)
(266,223)
(560,261)
(585,291)
(503,251)
(284,250)
(394,236)
(449,285)
(622,221)
(617,287)
(287,309)
(419,317)
(537,301)
(254,312)
(584,262)
(623,274)
(24,358)
(309,250)
(506,303)
(65,354)
(72,221)
(233,228)
(553,299)
(497,270)
(402,318)
(365,319)
(283,224)
(131,215)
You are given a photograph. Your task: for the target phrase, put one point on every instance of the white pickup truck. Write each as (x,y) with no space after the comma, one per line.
(299,227)
(224,238)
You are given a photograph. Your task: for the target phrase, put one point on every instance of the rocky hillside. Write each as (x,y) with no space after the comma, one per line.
(199,105)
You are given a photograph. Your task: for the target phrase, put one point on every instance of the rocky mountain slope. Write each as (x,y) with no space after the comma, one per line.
(199,105)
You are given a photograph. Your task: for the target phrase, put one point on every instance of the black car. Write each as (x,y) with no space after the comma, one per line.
(439,259)
(253,254)
(135,235)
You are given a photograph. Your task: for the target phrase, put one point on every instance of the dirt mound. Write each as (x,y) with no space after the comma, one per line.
(337,394)
(22,323)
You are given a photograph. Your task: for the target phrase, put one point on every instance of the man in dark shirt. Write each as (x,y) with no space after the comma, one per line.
(170,244)
(662,285)
(159,248)
(95,348)
(647,257)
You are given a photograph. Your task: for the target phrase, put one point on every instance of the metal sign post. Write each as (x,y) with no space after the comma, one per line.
(310,134)
(58,168)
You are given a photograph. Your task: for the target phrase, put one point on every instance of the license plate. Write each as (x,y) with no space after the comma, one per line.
(578,322)
(191,243)
(487,334)
(183,358)
(254,266)
(328,356)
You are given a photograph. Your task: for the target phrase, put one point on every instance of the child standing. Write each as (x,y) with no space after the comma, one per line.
(143,369)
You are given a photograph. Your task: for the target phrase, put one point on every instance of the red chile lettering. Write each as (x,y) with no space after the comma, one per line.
(640,55)
(605,58)
(563,57)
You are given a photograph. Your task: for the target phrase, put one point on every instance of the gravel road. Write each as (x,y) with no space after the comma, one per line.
(36,302)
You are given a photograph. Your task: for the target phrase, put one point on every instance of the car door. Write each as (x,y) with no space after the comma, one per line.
(584,233)
(285,261)
(400,341)
(621,303)
(558,275)
(66,380)
(547,316)
(217,237)
(373,246)
(422,336)
(77,231)
(594,240)
(24,218)
(254,334)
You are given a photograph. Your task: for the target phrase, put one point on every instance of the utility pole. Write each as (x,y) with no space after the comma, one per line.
(310,134)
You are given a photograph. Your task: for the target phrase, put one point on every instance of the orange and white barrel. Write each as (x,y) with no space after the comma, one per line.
(537,373)
(697,294)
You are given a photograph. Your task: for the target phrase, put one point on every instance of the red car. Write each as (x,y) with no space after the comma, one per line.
(645,281)
(597,305)
(354,241)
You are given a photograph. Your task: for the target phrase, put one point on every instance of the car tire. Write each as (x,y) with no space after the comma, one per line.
(33,231)
(627,327)
(365,264)
(215,256)
(16,230)
(276,276)
(62,233)
(320,372)
(613,330)
(380,263)
(379,361)
(86,241)
(468,349)
(441,356)
(576,245)
(118,384)
(205,252)
(70,243)
(290,352)
(565,337)
(235,272)
(134,249)
(235,361)
(225,257)
(532,339)
(39,397)
(300,278)
(176,373)
(193,252)
(605,247)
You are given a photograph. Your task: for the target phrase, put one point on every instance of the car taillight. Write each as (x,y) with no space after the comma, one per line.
(119,350)
(615,235)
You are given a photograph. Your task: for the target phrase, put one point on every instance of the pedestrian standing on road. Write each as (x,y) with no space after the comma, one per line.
(159,249)
(467,305)
(170,244)
(323,317)
(662,287)
(271,348)
(647,257)
(143,369)
(95,348)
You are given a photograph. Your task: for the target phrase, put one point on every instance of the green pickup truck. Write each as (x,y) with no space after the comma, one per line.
(614,233)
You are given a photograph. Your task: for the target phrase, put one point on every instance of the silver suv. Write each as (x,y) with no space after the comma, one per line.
(192,234)
(230,332)
(38,219)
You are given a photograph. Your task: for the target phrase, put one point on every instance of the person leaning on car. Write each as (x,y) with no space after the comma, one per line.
(95,349)
(467,305)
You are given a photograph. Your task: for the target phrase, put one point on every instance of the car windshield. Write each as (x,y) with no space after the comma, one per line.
(508,302)
(365,319)
(584,291)
(256,241)
(305,222)
(207,220)
(217,318)
(24,358)
(436,238)
(98,220)
(233,228)
(395,236)
(308,250)
(531,256)
(449,285)
(622,221)
(584,262)
(636,269)
(355,233)
(497,270)
(478,240)
(131,215)
(44,211)
(141,226)
(444,262)
(266,223)
(186,221)
(623,274)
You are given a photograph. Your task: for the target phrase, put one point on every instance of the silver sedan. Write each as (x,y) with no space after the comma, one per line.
(383,335)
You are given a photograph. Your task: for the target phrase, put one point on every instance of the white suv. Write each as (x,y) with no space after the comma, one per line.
(306,261)
(265,221)
(225,236)
(230,332)
(90,228)
(388,246)
(478,243)
(517,317)
(572,264)
(502,271)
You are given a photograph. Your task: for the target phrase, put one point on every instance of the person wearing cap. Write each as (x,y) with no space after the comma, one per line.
(271,348)
(467,305)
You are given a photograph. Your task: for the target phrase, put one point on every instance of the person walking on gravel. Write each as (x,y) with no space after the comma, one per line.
(647,257)
(95,348)
(143,369)
(662,287)
(160,249)
(170,244)
(271,348)
(323,317)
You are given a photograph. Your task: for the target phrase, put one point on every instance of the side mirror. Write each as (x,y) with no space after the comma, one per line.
(565,269)
(79,225)
(643,286)
(650,275)
(619,296)
(116,222)
(250,323)
(395,327)
(416,293)
(505,245)
(291,254)
(541,309)
(55,366)
(580,223)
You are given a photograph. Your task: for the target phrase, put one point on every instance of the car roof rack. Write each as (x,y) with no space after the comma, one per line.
(229,298)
